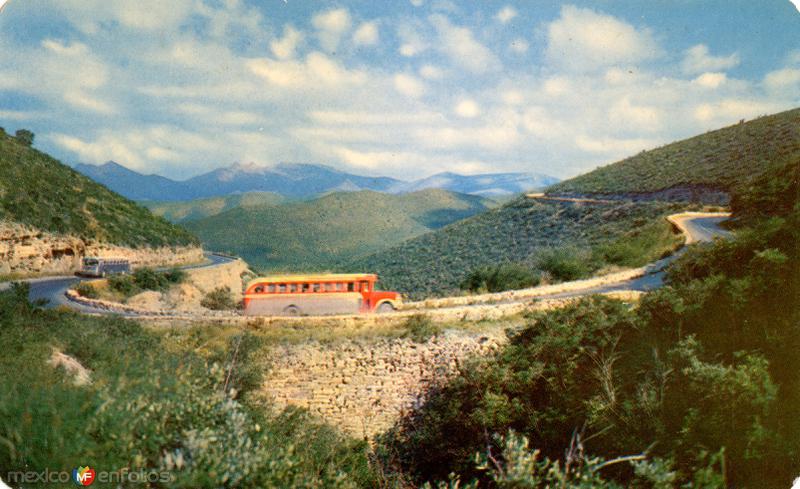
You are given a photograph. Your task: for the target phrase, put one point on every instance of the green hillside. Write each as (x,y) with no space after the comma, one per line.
(40,191)
(582,238)
(191,210)
(591,236)
(718,160)
(321,233)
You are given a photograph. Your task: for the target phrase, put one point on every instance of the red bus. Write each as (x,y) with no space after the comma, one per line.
(296,295)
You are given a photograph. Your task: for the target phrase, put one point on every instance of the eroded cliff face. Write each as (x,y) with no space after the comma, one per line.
(26,251)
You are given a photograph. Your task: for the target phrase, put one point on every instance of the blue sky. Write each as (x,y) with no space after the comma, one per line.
(405,88)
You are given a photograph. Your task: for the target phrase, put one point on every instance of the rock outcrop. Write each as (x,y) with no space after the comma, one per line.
(26,251)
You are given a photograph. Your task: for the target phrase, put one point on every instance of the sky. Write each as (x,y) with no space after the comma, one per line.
(404,88)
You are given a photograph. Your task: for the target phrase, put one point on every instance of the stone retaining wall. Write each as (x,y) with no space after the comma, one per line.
(364,387)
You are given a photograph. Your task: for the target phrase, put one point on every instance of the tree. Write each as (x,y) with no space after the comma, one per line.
(24,136)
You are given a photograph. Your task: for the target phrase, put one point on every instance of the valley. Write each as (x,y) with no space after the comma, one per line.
(625,286)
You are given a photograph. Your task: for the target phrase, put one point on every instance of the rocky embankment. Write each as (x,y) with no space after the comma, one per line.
(26,251)
(363,387)
(180,299)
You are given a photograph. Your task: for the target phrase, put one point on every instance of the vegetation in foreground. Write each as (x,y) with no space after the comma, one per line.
(151,408)
(700,380)
(38,190)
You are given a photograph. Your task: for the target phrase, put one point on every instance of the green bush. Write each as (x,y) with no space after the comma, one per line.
(24,136)
(146,279)
(564,264)
(86,290)
(420,328)
(151,408)
(219,299)
(705,365)
(509,276)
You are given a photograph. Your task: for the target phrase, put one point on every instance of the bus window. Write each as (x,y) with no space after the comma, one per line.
(364,286)
(351,287)
(330,287)
(259,289)
(306,288)
(316,287)
(292,288)
(282,288)
(271,288)
(340,287)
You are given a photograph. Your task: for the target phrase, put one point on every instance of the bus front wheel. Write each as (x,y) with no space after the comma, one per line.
(292,311)
(385,308)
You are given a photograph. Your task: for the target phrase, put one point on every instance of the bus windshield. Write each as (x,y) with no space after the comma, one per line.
(90,262)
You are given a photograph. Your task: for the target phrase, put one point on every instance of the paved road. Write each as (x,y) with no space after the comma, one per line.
(697,229)
(52,289)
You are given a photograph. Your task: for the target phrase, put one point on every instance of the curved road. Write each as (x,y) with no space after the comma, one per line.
(697,228)
(53,289)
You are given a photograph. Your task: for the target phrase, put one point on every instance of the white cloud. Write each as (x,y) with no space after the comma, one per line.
(366,34)
(284,48)
(710,80)
(316,69)
(431,72)
(519,46)
(409,85)
(506,14)
(411,43)
(698,60)
(81,100)
(331,26)
(90,16)
(417,3)
(460,45)
(467,108)
(613,147)
(583,40)
(785,79)
(634,117)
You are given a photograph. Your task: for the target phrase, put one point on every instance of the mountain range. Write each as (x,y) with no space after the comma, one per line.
(298,181)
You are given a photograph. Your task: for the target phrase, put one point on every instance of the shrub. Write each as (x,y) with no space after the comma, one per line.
(219,299)
(86,290)
(150,408)
(563,264)
(149,279)
(509,276)
(146,279)
(123,284)
(420,328)
(25,137)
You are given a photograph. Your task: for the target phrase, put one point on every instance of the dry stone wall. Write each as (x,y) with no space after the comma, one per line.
(364,387)
(27,251)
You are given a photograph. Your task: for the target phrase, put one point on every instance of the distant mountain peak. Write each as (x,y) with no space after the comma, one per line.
(298,180)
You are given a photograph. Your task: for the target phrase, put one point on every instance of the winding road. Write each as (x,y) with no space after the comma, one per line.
(53,289)
(697,227)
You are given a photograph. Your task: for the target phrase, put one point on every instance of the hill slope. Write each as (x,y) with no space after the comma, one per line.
(717,160)
(318,234)
(39,191)
(524,230)
(191,210)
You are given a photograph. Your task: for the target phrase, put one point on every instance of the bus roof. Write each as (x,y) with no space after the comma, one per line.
(320,277)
